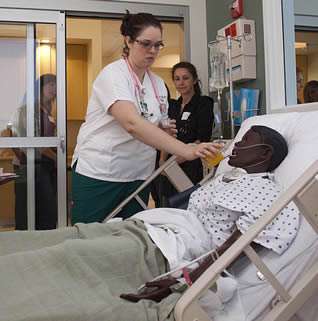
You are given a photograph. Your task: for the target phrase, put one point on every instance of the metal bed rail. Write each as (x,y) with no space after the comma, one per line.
(174,173)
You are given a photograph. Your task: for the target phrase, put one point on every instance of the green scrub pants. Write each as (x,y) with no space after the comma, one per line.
(92,199)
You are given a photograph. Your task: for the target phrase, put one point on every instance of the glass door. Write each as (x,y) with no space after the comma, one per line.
(32,120)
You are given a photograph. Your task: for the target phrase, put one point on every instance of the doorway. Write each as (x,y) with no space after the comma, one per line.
(32,119)
(306,47)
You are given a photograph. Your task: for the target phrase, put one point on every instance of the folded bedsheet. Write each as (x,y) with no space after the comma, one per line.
(78,274)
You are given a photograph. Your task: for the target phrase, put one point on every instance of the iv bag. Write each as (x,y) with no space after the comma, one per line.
(218,60)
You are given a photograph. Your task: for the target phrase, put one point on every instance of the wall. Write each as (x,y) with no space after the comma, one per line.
(313,67)
(91,31)
(308,7)
(12,63)
(197,21)
(218,15)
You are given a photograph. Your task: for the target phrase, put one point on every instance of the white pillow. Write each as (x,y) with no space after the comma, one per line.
(300,129)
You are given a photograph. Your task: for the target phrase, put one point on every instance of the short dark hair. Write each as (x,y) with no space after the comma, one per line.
(276,141)
(311,91)
(192,70)
(133,24)
(46,78)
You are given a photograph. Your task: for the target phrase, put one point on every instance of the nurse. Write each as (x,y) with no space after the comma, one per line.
(126,122)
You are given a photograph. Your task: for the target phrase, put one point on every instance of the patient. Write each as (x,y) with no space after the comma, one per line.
(83,270)
(229,204)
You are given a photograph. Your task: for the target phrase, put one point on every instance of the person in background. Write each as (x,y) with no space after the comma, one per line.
(299,82)
(194,117)
(126,122)
(311,91)
(45,158)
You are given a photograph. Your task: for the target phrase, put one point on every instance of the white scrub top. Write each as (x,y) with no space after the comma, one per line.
(104,150)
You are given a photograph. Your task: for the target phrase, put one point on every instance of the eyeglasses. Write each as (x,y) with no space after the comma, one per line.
(147,44)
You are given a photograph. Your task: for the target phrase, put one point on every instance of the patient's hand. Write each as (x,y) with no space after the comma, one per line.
(162,290)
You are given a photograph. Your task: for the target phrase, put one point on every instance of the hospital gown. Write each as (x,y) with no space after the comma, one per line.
(223,207)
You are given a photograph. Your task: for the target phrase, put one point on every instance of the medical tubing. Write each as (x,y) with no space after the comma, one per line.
(213,254)
(163,111)
(226,272)
(227,152)
(135,78)
(186,276)
(255,145)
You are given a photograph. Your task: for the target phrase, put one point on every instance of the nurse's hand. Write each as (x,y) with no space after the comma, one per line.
(171,129)
(202,150)
(161,290)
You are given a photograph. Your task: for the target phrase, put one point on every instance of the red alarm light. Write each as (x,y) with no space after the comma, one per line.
(237,9)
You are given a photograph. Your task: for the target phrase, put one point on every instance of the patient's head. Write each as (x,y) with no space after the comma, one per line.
(261,149)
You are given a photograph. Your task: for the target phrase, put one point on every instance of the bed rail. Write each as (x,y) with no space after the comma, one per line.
(304,193)
(174,173)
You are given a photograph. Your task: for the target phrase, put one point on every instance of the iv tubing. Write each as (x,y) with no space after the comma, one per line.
(229,46)
(213,253)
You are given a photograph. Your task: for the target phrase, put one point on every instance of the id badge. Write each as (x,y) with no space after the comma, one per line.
(185,115)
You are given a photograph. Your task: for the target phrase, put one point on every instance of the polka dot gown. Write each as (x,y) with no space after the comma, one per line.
(224,207)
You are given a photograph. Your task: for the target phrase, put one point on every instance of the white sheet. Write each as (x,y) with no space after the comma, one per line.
(287,268)
(178,234)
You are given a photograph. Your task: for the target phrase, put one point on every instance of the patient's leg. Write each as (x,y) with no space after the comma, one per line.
(82,279)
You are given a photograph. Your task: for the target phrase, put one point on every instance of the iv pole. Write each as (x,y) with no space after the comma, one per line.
(229,47)
(229,40)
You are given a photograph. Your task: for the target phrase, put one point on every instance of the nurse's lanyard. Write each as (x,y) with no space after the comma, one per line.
(141,92)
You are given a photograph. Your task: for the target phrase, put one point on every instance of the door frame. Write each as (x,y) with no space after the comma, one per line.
(59,141)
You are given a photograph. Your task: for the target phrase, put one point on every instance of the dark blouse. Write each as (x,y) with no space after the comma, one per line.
(194,123)
(196,120)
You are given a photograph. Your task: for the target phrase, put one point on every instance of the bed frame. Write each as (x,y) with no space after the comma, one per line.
(175,174)
(304,193)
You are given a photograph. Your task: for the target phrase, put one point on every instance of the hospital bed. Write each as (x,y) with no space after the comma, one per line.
(273,287)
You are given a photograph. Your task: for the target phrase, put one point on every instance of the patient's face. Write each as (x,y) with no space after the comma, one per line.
(249,156)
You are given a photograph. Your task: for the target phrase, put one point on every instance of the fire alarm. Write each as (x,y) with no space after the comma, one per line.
(237,9)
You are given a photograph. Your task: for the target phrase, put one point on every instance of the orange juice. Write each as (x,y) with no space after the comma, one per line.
(210,161)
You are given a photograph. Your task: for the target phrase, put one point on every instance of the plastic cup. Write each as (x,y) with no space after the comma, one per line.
(165,121)
(211,162)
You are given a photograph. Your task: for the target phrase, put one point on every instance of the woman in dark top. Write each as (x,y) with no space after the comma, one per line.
(45,159)
(194,118)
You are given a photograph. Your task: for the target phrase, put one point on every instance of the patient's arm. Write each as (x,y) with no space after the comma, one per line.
(162,290)
(162,287)
(196,273)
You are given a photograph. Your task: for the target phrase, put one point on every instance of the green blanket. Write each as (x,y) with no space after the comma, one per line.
(78,274)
